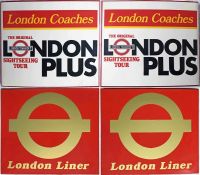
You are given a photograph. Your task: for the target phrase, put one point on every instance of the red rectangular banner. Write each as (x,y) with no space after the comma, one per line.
(150,18)
(150,131)
(50,19)
(50,131)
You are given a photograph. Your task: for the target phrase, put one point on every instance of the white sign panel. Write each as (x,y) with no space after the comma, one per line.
(50,43)
(150,43)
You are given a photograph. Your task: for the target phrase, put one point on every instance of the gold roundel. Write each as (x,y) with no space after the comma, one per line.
(124,126)
(75,125)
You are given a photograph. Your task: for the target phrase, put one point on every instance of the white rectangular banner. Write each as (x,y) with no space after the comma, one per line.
(50,43)
(150,43)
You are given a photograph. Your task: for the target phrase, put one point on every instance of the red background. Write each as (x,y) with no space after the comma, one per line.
(85,152)
(47,14)
(150,13)
(113,100)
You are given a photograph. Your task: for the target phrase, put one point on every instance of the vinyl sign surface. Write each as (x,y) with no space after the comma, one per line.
(50,43)
(150,131)
(150,44)
(50,131)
